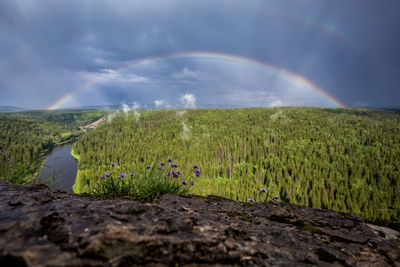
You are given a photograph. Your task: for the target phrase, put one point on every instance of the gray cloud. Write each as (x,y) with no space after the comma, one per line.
(49,48)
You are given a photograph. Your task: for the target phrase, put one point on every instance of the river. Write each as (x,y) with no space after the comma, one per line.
(59,170)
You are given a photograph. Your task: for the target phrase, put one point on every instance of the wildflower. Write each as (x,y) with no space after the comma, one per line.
(276,197)
(175,174)
(162,164)
(113,164)
(148,167)
(173,165)
(191,183)
(263,190)
(102,177)
(122,175)
(195,166)
(107,174)
(169,160)
(169,173)
(184,182)
(197,173)
(132,174)
(178,172)
(251,200)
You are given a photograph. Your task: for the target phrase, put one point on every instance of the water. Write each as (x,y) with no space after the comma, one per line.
(59,170)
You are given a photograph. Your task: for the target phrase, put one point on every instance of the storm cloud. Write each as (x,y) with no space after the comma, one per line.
(96,51)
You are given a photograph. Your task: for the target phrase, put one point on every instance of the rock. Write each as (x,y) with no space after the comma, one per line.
(43,227)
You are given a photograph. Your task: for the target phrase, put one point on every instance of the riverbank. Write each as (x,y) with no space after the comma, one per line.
(78,180)
(79,186)
(43,155)
(74,154)
(60,169)
(33,177)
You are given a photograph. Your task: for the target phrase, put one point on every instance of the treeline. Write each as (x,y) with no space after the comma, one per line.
(72,117)
(341,159)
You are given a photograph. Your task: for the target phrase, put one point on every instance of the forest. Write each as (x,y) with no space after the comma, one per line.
(25,138)
(346,160)
(62,116)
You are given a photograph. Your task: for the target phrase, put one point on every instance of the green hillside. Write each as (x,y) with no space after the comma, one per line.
(341,159)
(25,137)
(10,109)
(23,144)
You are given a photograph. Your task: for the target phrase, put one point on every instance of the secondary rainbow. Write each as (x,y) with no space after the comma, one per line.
(216,57)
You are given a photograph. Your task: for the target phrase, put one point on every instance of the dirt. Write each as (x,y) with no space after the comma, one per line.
(94,124)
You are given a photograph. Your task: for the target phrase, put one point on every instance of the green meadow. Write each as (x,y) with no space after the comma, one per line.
(346,160)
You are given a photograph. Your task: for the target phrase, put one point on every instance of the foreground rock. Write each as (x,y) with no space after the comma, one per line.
(42,227)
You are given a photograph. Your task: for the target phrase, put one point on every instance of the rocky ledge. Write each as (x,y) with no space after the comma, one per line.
(44,227)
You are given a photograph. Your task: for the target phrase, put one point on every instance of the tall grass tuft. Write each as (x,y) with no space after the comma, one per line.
(144,187)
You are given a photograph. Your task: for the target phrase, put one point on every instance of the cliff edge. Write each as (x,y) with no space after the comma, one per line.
(44,227)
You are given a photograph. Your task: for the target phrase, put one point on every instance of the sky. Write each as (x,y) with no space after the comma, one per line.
(191,53)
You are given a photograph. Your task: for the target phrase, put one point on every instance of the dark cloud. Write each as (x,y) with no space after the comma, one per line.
(49,48)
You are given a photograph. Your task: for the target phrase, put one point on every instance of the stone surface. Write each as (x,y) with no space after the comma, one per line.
(43,227)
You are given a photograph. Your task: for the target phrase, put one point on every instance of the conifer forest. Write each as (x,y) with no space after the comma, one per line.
(25,138)
(346,160)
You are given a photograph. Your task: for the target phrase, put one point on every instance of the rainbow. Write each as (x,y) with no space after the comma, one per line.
(329,29)
(214,57)
(312,22)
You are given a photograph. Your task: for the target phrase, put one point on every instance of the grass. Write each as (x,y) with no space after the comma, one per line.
(74,154)
(145,187)
(149,185)
(79,183)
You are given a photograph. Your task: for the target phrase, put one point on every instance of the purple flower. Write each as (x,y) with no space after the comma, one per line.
(122,175)
(169,173)
(102,177)
(184,182)
(160,168)
(178,172)
(162,164)
(191,183)
(173,165)
(113,164)
(169,160)
(175,174)
(251,200)
(148,167)
(276,197)
(132,174)
(107,174)
(197,173)
(195,166)
(263,190)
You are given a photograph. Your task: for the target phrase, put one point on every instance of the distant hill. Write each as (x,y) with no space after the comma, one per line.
(10,109)
(153,106)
